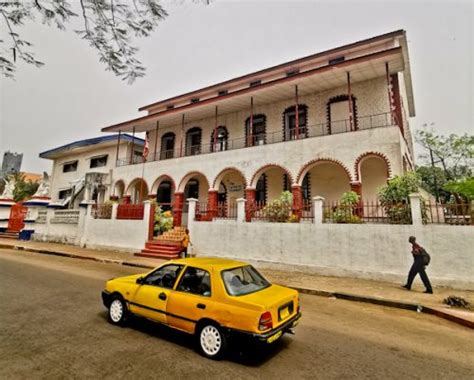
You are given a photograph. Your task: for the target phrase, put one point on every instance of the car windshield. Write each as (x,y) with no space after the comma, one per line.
(243,280)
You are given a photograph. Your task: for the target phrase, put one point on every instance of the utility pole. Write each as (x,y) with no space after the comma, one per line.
(435,181)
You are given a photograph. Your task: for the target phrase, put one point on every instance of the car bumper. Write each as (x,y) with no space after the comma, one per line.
(106,298)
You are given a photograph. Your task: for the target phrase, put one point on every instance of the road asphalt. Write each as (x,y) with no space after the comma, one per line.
(53,325)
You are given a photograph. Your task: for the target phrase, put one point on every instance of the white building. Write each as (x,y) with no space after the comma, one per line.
(82,170)
(319,125)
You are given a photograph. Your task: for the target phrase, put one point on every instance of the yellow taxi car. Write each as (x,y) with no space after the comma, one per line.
(211,298)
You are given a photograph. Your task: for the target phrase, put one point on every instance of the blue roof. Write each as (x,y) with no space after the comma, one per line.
(92,141)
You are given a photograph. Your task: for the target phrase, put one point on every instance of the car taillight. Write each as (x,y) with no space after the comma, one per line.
(265,321)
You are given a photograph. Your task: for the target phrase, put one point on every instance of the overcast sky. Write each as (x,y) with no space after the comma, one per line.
(72,96)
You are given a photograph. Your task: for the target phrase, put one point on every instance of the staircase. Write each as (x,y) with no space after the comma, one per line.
(9,235)
(166,246)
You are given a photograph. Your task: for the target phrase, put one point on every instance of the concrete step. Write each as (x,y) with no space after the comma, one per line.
(156,255)
(9,235)
(164,248)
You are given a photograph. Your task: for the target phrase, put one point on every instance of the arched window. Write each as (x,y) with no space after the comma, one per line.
(289,122)
(256,136)
(338,114)
(219,139)
(167,146)
(193,141)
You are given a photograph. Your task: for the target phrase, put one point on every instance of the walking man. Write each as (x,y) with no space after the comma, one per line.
(418,267)
(184,244)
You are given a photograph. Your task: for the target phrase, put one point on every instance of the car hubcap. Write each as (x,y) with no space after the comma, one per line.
(116,310)
(210,340)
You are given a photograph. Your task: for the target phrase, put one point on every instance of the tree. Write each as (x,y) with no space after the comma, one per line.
(108,26)
(463,188)
(23,189)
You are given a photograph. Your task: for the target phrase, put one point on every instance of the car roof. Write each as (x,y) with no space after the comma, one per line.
(210,262)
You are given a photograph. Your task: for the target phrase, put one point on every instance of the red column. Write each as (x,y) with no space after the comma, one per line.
(211,205)
(356,187)
(178,209)
(151,222)
(297,208)
(151,197)
(250,195)
(127,199)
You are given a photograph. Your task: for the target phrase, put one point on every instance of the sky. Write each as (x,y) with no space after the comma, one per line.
(72,97)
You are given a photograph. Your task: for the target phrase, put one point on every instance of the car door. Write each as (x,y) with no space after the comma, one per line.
(191,300)
(151,298)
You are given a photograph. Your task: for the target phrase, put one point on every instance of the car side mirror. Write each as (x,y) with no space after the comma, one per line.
(140,280)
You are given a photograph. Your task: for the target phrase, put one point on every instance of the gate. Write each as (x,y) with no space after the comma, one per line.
(17,218)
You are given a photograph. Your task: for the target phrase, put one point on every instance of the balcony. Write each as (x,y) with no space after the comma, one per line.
(306,132)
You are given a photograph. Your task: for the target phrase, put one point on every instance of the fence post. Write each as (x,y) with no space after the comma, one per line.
(241,210)
(191,210)
(114,211)
(318,209)
(415,207)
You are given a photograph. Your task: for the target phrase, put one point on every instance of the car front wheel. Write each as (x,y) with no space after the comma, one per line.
(212,341)
(118,311)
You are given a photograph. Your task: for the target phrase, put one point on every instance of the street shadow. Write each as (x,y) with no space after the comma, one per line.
(241,351)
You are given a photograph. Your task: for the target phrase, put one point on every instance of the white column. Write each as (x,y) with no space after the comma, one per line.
(415,206)
(191,211)
(114,210)
(318,209)
(241,210)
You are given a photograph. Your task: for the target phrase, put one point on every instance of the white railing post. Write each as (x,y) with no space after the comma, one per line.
(415,207)
(192,202)
(318,209)
(114,211)
(241,210)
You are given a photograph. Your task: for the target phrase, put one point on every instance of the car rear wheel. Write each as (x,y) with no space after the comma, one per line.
(118,311)
(212,341)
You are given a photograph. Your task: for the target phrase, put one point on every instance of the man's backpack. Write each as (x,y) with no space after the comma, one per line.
(426,257)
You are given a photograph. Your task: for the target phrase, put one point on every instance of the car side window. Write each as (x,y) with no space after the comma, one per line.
(196,281)
(164,277)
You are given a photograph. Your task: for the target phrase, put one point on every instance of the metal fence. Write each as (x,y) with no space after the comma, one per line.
(307,213)
(226,210)
(130,211)
(448,213)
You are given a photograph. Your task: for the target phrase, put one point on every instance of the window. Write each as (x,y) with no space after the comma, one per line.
(337,60)
(338,114)
(243,280)
(167,146)
(196,281)
(192,189)
(289,120)
(290,73)
(70,167)
(64,194)
(306,188)
(255,83)
(220,142)
(261,189)
(258,134)
(164,277)
(170,107)
(194,100)
(222,92)
(193,141)
(98,162)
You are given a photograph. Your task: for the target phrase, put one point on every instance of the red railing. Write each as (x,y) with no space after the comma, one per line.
(367,212)
(334,127)
(448,213)
(226,210)
(307,213)
(130,211)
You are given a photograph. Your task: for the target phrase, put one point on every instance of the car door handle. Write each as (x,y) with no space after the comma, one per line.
(201,306)
(162,296)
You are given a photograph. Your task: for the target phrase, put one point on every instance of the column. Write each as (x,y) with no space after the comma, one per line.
(356,187)
(127,199)
(192,202)
(211,205)
(415,207)
(318,209)
(250,195)
(297,208)
(178,209)
(241,210)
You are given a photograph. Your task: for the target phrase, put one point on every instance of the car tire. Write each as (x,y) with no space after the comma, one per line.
(212,341)
(118,312)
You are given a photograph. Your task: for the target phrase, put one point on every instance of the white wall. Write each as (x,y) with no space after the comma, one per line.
(365,251)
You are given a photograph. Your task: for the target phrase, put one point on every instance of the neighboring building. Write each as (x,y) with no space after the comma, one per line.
(11,163)
(317,126)
(82,170)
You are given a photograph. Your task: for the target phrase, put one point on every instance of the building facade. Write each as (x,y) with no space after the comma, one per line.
(316,126)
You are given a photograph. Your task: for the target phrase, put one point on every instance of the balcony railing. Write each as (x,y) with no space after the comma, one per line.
(322,129)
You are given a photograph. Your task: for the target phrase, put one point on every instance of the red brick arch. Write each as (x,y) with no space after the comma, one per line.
(187,177)
(365,155)
(223,172)
(161,178)
(260,171)
(307,167)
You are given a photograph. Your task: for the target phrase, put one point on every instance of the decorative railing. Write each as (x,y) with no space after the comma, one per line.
(102,211)
(317,130)
(226,210)
(65,217)
(307,213)
(130,211)
(448,213)
(41,219)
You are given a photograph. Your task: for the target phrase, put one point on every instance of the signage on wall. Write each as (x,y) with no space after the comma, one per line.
(233,187)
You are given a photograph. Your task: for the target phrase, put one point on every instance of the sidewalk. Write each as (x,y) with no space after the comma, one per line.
(377,292)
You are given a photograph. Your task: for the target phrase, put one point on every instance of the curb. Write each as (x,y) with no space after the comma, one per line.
(321,293)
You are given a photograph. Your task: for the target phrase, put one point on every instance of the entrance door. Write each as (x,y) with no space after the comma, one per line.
(16,222)
(163,196)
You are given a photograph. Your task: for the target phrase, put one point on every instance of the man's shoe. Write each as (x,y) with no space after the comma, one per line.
(406,287)
(429,291)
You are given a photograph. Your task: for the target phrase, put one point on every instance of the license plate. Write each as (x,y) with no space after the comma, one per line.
(274,337)
(284,313)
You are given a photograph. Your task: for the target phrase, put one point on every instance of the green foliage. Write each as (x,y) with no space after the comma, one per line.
(464,188)
(23,189)
(345,212)
(163,221)
(279,210)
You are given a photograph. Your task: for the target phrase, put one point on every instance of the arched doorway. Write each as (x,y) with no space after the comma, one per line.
(138,191)
(373,175)
(269,182)
(119,190)
(194,185)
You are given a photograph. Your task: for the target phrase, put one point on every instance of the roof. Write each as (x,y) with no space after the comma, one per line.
(211,262)
(52,153)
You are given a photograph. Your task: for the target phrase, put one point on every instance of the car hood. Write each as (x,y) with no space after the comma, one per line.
(128,279)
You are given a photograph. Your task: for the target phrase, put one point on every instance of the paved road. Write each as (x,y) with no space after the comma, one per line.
(53,325)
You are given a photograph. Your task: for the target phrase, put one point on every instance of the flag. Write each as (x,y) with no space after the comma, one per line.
(146,147)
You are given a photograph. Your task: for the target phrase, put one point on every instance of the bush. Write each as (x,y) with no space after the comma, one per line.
(279,210)
(346,211)
(163,221)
